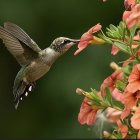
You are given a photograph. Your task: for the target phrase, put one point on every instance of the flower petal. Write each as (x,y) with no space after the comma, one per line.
(87,38)
(95,28)
(91,118)
(113,115)
(132,17)
(114,50)
(117,94)
(122,128)
(87,114)
(125,113)
(135,120)
(133,86)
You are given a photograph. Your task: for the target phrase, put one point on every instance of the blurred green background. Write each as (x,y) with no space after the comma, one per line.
(51,110)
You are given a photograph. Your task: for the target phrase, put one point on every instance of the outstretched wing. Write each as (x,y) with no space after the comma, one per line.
(18,33)
(23,53)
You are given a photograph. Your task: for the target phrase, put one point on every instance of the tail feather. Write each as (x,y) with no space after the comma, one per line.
(22,90)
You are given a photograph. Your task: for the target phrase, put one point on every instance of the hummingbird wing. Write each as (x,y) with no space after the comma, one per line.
(23,53)
(20,34)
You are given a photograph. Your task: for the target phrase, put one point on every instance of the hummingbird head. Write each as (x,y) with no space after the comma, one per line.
(62,44)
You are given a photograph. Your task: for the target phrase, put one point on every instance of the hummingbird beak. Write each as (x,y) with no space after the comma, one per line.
(75,41)
(71,43)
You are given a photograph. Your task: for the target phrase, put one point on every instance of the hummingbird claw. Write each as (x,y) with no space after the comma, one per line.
(26,94)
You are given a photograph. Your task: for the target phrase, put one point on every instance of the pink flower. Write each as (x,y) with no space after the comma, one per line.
(130,99)
(132,17)
(117,94)
(114,50)
(87,38)
(129,4)
(125,113)
(110,82)
(122,128)
(113,115)
(134,79)
(135,119)
(87,115)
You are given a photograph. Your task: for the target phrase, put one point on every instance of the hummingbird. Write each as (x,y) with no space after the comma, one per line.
(34,61)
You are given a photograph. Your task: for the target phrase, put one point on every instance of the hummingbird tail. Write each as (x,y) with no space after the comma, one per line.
(22,90)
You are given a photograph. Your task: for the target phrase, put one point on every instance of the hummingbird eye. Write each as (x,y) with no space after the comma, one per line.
(65,41)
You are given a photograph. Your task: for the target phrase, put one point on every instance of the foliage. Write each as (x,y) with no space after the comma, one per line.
(119,94)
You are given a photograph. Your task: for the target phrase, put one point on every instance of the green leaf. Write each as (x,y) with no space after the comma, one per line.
(94,91)
(105,38)
(127,70)
(116,32)
(120,31)
(108,29)
(133,30)
(96,103)
(133,136)
(118,104)
(108,96)
(112,27)
(122,47)
(119,135)
(120,85)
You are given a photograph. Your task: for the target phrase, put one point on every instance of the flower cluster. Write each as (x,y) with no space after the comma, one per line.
(119,94)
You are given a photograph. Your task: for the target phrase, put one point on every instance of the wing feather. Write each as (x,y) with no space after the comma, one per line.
(20,34)
(23,54)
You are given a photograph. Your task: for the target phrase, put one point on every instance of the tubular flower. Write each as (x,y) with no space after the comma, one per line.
(125,113)
(129,4)
(134,79)
(110,82)
(135,120)
(129,100)
(122,128)
(132,17)
(87,114)
(87,38)
(114,50)
(113,115)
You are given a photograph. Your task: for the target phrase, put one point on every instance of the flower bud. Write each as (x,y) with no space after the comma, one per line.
(79,91)
(114,66)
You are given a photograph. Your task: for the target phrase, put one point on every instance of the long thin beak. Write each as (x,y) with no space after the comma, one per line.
(75,41)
